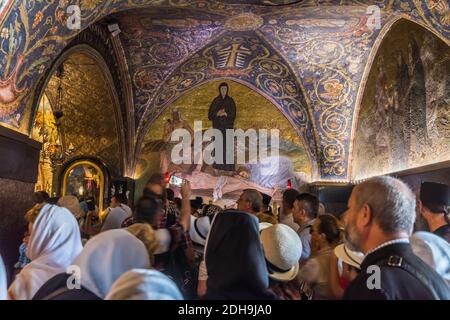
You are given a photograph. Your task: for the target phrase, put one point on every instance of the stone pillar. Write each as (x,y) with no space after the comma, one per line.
(19,158)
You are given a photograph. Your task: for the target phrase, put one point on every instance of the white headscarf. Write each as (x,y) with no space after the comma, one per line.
(3,284)
(54,244)
(107,256)
(139,284)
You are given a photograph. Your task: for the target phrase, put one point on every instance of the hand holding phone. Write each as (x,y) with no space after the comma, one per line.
(176,181)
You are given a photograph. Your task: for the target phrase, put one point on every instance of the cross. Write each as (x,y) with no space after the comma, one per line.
(233,56)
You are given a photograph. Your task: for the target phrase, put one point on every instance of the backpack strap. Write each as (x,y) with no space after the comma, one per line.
(396,261)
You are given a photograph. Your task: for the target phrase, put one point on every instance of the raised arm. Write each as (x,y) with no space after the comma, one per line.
(185,215)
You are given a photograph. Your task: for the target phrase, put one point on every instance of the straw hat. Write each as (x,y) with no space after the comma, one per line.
(353,258)
(282,249)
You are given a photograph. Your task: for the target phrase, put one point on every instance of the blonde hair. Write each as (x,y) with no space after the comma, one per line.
(145,233)
(33,213)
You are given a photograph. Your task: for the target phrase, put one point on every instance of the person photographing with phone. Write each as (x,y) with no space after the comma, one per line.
(178,259)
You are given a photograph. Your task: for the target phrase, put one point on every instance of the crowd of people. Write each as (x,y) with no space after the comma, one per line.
(170,248)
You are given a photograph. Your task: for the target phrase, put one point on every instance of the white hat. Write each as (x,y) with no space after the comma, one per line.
(164,238)
(282,249)
(353,258)
(199,229)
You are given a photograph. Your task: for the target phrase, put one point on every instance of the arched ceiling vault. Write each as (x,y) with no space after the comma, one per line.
(90,121)
(326,46)
(107,51)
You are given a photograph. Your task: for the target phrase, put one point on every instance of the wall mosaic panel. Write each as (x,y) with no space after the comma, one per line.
(253,112)
(247,58)
(404,121)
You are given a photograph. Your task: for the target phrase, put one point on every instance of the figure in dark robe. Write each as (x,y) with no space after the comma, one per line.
(382,107)
(399,122)
(416,98)
(222,113)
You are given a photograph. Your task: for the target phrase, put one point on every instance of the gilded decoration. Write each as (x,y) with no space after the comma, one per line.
(244,22)
(327,47)
(89,121)
(253,111)
(46,132)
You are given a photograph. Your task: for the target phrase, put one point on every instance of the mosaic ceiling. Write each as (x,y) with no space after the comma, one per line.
(170,46)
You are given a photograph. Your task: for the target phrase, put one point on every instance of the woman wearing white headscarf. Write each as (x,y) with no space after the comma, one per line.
(141,284)
(3,294)
(103,260)
(54,244)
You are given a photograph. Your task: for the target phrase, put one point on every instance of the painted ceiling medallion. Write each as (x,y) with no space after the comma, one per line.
(244,22)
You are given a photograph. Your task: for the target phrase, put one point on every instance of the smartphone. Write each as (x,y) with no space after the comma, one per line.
(176,181)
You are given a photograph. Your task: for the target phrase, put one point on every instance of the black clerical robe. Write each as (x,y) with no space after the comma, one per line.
(223,123)
(227,104)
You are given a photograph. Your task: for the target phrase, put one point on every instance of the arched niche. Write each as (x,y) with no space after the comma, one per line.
(85,178)
(90,125)
(404,116)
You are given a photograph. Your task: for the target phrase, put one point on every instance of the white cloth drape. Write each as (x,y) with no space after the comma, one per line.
(54,244)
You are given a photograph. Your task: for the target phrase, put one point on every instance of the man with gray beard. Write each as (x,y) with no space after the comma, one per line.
(378,222)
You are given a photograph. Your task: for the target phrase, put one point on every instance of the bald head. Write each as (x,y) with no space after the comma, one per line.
(391,201)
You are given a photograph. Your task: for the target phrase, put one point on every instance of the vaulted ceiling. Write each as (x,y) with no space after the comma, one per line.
(309,57)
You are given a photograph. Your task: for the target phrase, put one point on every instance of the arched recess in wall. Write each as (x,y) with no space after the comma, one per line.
(262,69)
(404,118)
(80,88)
(255,110)
(85,178)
